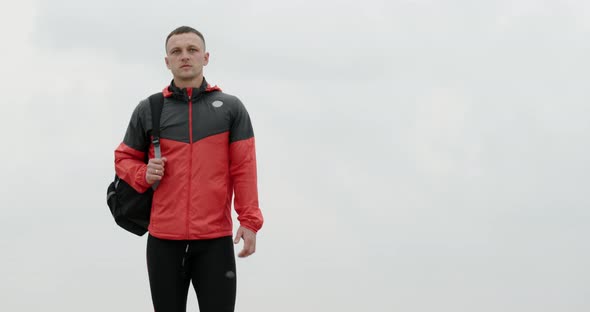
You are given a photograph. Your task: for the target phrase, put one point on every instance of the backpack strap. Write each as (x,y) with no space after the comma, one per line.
(156,105)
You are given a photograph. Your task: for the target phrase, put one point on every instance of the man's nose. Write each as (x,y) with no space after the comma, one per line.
(185,55)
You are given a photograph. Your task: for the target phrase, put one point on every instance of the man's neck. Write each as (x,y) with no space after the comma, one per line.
(185,84)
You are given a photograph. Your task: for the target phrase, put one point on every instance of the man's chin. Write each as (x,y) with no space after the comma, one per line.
(185,76)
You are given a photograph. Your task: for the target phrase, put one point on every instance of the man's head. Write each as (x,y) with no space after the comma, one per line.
(186,55)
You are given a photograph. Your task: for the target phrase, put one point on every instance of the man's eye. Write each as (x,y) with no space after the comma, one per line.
(193,50)
(174,51)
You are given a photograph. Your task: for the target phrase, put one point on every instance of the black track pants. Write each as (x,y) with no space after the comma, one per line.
(209,264)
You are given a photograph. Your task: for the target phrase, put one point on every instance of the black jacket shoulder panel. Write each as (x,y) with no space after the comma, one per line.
(240,124)
(137,136)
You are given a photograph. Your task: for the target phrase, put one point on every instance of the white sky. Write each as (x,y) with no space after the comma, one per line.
(413,155)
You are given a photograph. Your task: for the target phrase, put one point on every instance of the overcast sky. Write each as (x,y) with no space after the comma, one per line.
(412,155)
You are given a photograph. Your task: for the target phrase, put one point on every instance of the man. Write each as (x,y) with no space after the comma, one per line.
(208,155)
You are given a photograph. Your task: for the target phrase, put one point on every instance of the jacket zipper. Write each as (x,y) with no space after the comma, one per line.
(190,167)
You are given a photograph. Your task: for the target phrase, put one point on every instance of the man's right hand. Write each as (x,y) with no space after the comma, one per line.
(155,170)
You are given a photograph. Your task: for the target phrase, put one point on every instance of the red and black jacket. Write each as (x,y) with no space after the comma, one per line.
(207,137)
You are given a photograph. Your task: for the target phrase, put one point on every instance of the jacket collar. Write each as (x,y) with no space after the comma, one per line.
(183,94)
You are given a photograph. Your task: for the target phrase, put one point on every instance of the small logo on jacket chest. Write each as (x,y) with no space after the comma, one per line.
(217,104)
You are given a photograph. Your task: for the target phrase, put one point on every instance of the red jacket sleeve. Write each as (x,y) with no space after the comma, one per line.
(130,154)
(242,168)
(243,172)
(130,167)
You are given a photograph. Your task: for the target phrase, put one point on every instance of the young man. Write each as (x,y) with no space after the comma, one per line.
(208,155)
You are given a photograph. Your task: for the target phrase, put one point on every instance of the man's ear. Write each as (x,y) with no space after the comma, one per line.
(206,58)
(167,63)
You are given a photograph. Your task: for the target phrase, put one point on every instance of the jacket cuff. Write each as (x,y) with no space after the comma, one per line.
(252,222)
(249,226)
(140,178)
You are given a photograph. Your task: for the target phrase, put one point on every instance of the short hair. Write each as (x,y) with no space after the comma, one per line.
(184,30)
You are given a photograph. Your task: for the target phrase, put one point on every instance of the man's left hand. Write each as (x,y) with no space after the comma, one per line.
(249,238)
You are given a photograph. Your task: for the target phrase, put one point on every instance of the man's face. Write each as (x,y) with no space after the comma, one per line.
(186,56)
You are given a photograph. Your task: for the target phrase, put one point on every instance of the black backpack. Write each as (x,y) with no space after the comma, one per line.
(131,209)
